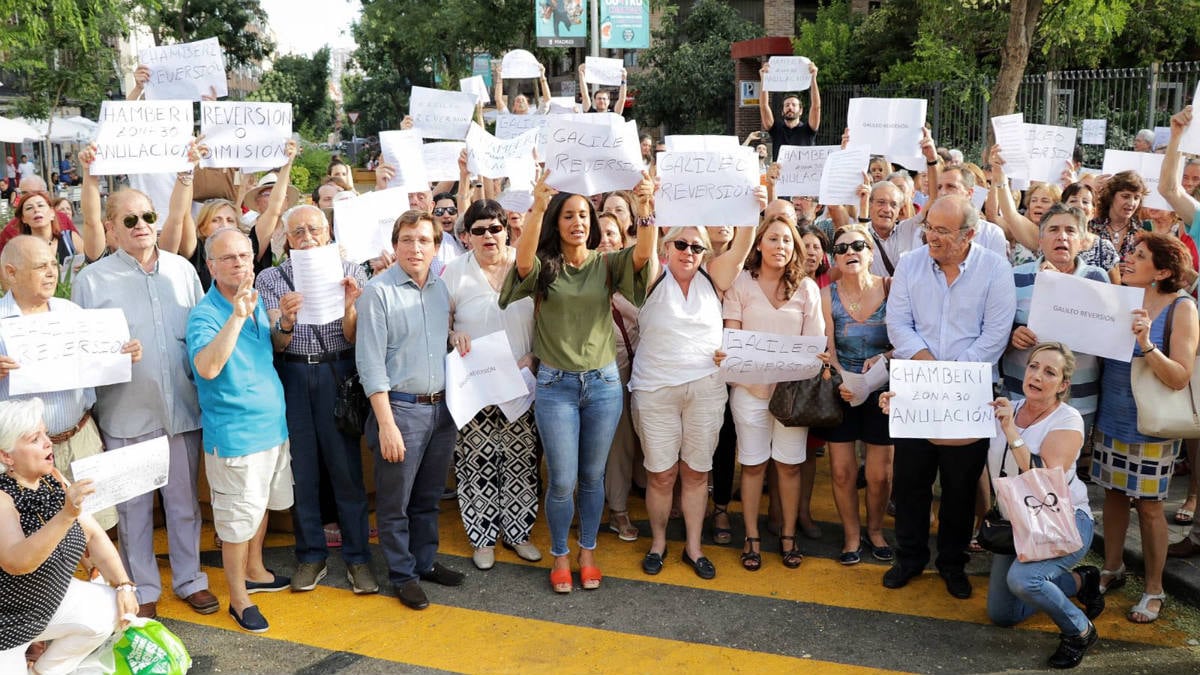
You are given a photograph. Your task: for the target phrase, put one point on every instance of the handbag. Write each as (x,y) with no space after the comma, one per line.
(1038,504)
(1163,412)
(814,402)
(148,648)
(995,532)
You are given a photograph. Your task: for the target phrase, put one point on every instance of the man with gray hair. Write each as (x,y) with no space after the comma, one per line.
(955,179)
(312,361)
(1144,141)
(951,300)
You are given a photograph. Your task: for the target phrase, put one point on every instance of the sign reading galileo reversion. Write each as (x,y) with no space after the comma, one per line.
(941,399)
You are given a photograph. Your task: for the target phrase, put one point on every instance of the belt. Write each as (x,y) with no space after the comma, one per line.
(70,433)
(422,399)
(313,359)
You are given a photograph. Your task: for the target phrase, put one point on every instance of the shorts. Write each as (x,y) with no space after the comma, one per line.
(680,423)
(865,423)
(760,436)
(244,488)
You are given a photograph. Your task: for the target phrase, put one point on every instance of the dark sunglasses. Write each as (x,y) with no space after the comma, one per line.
(445,210)
(482,229)
(856,245)
(681,245)
(130,221)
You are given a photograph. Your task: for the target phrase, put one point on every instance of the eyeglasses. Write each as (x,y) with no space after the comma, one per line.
(856,245)
(939,231)
(484,229)
(445,210)
(130,221)
(681,245)
(312,230)
(235,257)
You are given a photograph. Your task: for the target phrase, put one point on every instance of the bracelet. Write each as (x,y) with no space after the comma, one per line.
(184,177)
(864,220)
(933,163)
(1153,348)
(645,221)
(125,586)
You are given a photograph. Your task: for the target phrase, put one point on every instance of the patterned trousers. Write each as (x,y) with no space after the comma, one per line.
(497,467)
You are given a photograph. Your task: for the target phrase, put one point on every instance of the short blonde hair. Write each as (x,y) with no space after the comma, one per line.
(17,418)
(677,233)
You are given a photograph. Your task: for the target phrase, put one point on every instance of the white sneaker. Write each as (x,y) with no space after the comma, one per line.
(484,557)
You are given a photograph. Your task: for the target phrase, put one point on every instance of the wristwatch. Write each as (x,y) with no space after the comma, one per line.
(279,327)
(1019,443)
(127,586)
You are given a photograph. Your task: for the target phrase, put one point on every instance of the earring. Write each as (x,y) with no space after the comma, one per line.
(1153,283)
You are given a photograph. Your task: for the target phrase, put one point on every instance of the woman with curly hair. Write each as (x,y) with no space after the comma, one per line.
(1117,211)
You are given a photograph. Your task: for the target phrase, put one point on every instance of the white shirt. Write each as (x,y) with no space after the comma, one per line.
(987,234)
(27,169)
(899,242)
(1063,417)
(476,305)
(678,334)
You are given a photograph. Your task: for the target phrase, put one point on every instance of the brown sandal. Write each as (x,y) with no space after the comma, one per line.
(791,555)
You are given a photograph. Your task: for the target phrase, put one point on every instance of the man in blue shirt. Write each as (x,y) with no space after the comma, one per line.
(951,300)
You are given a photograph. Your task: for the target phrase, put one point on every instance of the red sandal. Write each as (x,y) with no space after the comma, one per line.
(589,578)
(560,580)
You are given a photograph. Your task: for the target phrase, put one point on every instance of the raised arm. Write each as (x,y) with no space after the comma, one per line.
(268,220)
(814,100)
(1171,174)
(531,230)
(546,95)
(764,99)
(140,77)
(585,96)
(498,87)
(177,236)
(619,108)
(643,204)
(89,204)
(1022,230)
(724,268)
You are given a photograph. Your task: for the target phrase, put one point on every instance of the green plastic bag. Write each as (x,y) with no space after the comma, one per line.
(148,648)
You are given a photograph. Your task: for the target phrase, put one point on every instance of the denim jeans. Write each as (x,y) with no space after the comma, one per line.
(577,415)
(1016,590)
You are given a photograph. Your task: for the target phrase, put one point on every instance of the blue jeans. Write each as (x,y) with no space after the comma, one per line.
(577,415)
(1016,590)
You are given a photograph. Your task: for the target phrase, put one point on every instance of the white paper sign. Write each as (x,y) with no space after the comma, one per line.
(317,274)
(979,195)
(890,127)
(701,143)
(1050,148)
(843,174)
(143,137)
(941,399)
(402,150)
(516,200)
(495,158)
(1148,165)
(1094,132)
(788,73)
(1010,136)
(475,85)
(509,126)
(486,375)
(441,114)
(518,406)
(363,225)
(1091,317)
(1189,142)
(124,473)
(603,71)
(441,160)
(588,159)
(245,134)
(1162,135)
(800,169)
(756,357)
(520,64)
(66,350)
(185,71)
(707,188)
(862,384)
(563,105)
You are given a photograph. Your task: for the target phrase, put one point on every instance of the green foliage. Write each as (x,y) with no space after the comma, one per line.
(304,82)
(238,25)
(687,83)
(831,42)
(309,168)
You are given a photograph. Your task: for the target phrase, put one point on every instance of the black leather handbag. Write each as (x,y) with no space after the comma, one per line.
(814,402)
(995,533)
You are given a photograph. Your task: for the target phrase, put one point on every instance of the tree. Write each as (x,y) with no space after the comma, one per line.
(689,73)
(238,25)
(303,81)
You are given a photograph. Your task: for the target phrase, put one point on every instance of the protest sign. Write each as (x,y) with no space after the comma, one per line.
(486,375)
(495,158)
(1189,142)
(1162,135)
(66,350)
(1148,165)
(509,126)
(1090,317)
(787,73)
(186,71)
(979,195)
(441,114)
(701,143)
(624,24)
(518,406)
(401,149)
(245,134)
(757,357)
(588,159)
(862,384)
(362,226)
(475,85)
(707,188)
(1050,149)
(843,174)
(516,200)
(941,399)
(890,127)
(1010,136)
(800,168)
(441,160)
(120,474)
(1094,132)
(143,137)
(520,64)
(563,105)
(603,71)
(317,274)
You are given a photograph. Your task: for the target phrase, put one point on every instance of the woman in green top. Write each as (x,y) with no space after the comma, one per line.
(578,388)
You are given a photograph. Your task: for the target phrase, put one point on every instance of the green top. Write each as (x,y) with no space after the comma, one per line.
(573,325)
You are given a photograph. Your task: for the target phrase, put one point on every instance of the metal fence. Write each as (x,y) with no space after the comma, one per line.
(1129,98)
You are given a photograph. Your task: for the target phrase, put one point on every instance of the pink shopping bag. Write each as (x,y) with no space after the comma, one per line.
(1038,504)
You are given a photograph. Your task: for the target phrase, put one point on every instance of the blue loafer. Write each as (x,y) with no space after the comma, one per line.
(251,619)
(850,557)
(277,583)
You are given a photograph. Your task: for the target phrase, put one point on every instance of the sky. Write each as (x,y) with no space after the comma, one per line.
(304,26)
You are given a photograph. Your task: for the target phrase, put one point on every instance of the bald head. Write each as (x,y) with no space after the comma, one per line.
(956,209)
(32,184)
(780,208)
(20,249)
(29,269)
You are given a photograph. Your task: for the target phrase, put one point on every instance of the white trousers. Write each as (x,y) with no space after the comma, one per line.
(86,618)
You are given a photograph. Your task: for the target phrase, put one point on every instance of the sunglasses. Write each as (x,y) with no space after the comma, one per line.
(856,245)
(482,229)
(681,245)
(446,210)
(130,221)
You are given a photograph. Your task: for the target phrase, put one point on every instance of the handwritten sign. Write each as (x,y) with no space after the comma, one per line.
(755,357)
(788,73)
(707,188)
(509,126)
(318,274)
(1094,132)
(401,149)
(1050,148)
(842,175)
(1010,136)
(1148,165)
(441,114)
(1090,317)
(66,350)
(1189,142)
(890,127)
(701,143)
(475,85)
(588,159)
(486,375)
(495,158)
(441,160)
(800,169)
(143,137)
(520,64)
(245,134)
(603,71)
(363,225)
(185,71)
(122,474)
(941,399)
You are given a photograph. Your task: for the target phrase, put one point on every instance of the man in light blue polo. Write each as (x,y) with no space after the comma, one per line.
(242,413)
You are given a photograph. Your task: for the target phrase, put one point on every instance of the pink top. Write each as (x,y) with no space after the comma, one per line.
(800,315)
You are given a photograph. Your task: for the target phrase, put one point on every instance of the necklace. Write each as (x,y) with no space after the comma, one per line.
(855,304)
(1035,420)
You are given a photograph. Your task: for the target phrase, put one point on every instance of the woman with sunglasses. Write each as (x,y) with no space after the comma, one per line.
(578,387)
(854,308)
(678,394)
(495,460)
(445,214)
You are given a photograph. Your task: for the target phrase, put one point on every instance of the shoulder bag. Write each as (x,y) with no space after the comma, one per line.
(1163,412)
(814,402)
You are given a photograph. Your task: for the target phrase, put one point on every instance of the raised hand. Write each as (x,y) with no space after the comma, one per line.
(246,299)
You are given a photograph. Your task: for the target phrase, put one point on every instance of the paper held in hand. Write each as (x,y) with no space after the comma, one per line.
(475,85)
(143,137)
(800,169)
(186,71)
(707,188)
(437,113)
(64,350)
(1090,317)
(402,150)
(941,400)
(317,274)
(862,384)
(890,127)
(362,226)
(486,375)
(245,134)
(520,64)
(788,73)
(1189,142)
(124,473)
(843,174)
(1148,165)
(603,71)
(756,357)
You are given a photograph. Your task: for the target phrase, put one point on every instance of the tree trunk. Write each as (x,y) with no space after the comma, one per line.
(1014,57)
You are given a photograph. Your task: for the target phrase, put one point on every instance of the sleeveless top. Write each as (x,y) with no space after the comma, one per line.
(856,341)
(28,601)
(678,334)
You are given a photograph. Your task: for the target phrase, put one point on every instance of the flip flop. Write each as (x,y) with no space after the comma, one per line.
(1184,516)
